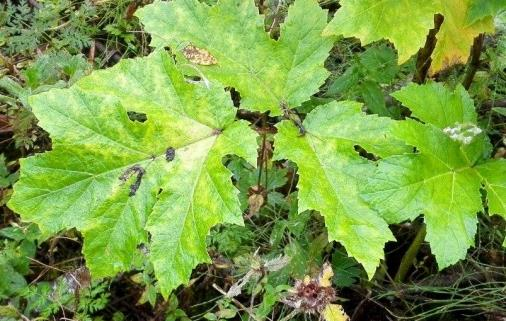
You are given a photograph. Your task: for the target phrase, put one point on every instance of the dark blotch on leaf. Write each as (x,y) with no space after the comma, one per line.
(137,170)
(135,116)
(170,153)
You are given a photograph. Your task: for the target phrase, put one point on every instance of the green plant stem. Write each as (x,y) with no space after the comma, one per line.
(410,255)
(380,275)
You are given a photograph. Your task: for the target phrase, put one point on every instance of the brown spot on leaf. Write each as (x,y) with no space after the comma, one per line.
(199,56)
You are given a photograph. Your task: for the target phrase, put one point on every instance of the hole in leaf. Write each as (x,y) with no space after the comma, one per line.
(135,116)
(192,79)
(362,152)
(235,95)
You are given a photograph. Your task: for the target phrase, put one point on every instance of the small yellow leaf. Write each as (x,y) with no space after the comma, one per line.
(325,277)
(199,56)
(334,312)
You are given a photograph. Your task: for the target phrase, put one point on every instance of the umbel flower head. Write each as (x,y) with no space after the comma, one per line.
(463,133)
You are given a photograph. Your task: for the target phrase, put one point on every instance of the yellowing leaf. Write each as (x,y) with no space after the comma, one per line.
(325,277)
(331,173)
(334,312)
(266,72)
(455,38)
(406,24)
(115,179)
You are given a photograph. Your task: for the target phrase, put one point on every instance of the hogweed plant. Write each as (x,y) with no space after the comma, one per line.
(136,159)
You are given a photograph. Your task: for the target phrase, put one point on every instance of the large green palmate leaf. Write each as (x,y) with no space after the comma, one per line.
(115,175)
(331,171)
(444,177)
(406,24)
(266,72)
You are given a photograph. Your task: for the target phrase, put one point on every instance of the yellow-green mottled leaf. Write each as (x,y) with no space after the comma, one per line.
(455,37)
(266,72)
(331,172)
(115,175)
(443,178)
(406,24)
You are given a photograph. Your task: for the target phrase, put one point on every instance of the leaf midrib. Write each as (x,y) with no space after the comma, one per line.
(97,175)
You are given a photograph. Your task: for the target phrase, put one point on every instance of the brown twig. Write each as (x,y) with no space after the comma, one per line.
(237,303)
(424,60)
(275,21)
(474,62)
(487,105)
(5,126)
(132,7)
(110,54)
(358,311)
(253,116)
(34,4)
(91,53)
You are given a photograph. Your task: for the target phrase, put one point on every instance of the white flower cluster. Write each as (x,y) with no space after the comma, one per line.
(463,133)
